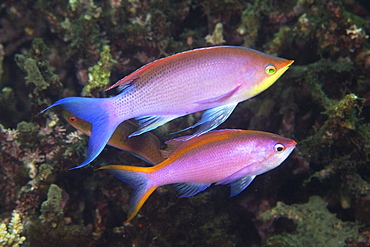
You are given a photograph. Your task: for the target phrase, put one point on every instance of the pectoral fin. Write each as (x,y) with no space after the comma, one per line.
(148,123)
(239,185)
(238,181)
(220,98)
(211,119)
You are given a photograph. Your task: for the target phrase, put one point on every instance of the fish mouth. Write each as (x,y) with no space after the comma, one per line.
(292,143)
(285,64)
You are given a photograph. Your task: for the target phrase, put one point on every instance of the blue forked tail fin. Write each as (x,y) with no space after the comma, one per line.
(97,112)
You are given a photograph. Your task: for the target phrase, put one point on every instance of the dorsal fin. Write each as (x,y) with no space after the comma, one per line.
(159,63)
(127,81)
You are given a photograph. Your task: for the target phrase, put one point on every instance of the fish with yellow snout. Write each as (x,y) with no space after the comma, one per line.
(145,146)
(214,79)
(233,157)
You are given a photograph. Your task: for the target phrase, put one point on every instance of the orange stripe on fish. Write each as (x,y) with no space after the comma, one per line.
(214,79)
(233,157)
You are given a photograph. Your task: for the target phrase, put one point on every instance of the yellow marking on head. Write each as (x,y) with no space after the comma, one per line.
(268,81)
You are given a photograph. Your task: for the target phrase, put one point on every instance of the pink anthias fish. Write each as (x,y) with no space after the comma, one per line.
(233,157)
(213,78)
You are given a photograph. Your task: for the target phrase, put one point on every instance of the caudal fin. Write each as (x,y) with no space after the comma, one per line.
(137,177)
(95,111)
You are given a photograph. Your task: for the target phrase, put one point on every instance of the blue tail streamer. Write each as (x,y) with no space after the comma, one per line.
(93,110)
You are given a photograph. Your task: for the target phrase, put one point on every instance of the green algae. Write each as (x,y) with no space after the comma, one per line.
(29,196)
(251,21)
(282,240)
(279,40)
(325,90)
(28,132)
(51,209)
(51,230)
(40,78)
(341,113)
(315,225)
(26,127)
(338,144)
(99,74)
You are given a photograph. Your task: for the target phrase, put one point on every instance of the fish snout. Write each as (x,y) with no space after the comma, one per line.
(289,62)
(292,143)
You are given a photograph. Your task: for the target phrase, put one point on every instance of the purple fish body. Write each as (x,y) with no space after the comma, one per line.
(215,79)
(233,157)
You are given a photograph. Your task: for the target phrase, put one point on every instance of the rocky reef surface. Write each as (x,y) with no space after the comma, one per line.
(54,49)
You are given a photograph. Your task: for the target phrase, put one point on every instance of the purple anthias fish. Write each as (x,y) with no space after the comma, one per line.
(233,157)
(214,79)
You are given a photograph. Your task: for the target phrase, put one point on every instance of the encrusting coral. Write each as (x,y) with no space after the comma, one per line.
(313,224)
(217,37)
(51,209)
(77,47)
(99,74)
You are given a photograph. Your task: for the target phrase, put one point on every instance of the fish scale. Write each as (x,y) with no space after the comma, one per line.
(214,79)
(233,157)
(173,90)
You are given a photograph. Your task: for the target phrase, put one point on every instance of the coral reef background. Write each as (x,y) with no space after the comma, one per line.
(54,49)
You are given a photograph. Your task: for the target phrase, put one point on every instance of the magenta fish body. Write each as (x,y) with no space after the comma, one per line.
(233,157)
(214,79)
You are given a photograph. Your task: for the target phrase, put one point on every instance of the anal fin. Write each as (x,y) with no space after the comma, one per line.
(190,189)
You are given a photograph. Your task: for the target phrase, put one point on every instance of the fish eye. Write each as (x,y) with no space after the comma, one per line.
(278,147)
(270,69)
(72,119)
